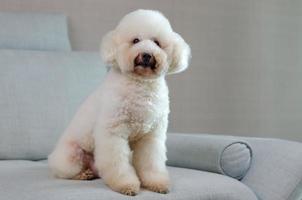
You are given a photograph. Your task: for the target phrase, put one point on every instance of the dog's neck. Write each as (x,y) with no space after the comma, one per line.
(139,80)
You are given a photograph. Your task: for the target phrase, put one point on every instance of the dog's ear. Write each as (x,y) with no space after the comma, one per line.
(108,49)
(181,53)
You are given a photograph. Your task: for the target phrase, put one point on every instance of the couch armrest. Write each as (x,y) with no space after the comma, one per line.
(218,154)
(276,170)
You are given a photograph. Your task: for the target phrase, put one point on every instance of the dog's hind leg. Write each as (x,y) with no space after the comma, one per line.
(66,161)
(88,171)
(69,159)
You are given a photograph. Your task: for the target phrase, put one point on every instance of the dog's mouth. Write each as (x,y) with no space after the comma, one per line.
(145,61)
(152,66)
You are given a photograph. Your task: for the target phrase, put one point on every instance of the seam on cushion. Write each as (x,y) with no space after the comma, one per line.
(251,160)
(67,33)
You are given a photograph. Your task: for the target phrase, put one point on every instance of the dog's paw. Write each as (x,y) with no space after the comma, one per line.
(162,188)
(156,182)
(87,174)
(127,185)
(130,190)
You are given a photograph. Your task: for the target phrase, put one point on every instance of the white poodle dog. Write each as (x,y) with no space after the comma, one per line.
(119,132)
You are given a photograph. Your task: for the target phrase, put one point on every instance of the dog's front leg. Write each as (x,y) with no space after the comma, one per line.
(112,160)
(149,159)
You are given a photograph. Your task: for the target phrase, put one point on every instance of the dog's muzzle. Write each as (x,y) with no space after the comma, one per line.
(145,60)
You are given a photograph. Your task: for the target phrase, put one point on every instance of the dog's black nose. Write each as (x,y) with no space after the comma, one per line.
(146,57)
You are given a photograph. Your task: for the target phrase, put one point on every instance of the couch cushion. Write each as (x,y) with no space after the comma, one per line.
(40,92)
(28,180)
(33,30)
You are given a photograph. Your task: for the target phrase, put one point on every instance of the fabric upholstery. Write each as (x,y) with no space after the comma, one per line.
(297,193)
(276,171)
(29,180)
(40,92)
(33,31)
(228,156)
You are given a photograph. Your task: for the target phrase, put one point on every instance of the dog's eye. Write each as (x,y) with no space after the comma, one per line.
(157,42)
(135,40)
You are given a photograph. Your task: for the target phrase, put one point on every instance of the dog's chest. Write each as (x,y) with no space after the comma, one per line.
(145,106)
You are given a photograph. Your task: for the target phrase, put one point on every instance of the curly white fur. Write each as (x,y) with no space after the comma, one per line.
(128,112)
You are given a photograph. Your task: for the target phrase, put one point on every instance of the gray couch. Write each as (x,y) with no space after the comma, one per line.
(42,82)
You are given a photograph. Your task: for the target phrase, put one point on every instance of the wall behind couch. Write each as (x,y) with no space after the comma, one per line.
(245,76)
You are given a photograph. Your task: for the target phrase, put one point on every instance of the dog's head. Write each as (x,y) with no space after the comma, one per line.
(144,45)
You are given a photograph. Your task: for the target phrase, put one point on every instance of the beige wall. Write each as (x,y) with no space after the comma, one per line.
(246,73)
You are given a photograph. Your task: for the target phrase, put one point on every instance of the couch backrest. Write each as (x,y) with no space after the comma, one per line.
(34,31)
(39,94)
